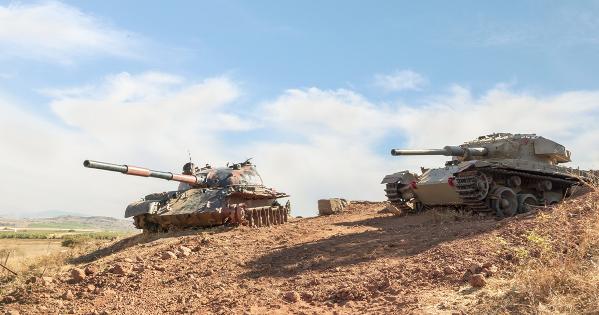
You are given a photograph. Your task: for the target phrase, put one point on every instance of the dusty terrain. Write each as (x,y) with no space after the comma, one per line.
(361,261)
(23,249)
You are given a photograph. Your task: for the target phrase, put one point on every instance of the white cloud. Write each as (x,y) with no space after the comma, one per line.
(315,113)
(60,33)
(339,151)
(400,81)
(450,119)
(150,119)
(333,156)
(312,143)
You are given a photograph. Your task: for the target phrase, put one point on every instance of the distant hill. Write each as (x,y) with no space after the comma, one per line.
(40,214)
(70,222)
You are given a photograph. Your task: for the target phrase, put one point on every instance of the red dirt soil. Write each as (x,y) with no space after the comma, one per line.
(360,261)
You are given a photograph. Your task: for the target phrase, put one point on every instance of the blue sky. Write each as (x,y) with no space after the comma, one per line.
(290,78)
(271,46)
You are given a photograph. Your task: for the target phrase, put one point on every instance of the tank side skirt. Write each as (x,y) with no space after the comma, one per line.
(252,217)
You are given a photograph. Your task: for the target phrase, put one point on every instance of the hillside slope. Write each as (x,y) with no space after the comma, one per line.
(361,261)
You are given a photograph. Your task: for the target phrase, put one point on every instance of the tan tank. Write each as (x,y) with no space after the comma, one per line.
(501,173)
(206,197)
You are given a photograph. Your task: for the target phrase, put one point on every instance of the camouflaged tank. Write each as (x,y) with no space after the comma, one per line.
(501,173)
(206,197)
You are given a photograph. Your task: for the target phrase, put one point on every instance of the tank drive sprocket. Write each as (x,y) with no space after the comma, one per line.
(400,201)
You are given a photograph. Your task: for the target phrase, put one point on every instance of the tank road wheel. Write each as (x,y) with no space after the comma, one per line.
(257,217)
(279,215)
(483,183)
(141,222)
(504,201)
(249,217)
(525,201)
(265,216)
(418,206)
(271,216)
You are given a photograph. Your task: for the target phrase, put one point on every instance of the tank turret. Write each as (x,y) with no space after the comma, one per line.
(529,147)
(236,174)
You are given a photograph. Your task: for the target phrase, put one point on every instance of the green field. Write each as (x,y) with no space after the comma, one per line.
(61,225)
(60,234)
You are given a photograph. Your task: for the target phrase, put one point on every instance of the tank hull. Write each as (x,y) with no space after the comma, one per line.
(414,193)
(200,208)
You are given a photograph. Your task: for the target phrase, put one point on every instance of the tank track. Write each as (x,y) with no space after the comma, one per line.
(395,198)
(266,216)
(473,196)
(252,217)
(473,191)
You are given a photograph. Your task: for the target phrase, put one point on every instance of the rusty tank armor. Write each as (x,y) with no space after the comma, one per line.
(226,195)
(501,173)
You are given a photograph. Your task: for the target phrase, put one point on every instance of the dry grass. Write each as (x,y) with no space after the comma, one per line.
(41,260)
(562,276)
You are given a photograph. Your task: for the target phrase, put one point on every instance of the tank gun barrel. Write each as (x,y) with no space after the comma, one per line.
(144,172)
(449,150)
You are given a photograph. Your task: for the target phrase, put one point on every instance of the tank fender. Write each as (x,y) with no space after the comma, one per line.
(141,207)
(474,163)
(162,196)
(404,177)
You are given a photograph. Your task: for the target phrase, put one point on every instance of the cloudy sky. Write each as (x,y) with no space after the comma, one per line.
(317,93)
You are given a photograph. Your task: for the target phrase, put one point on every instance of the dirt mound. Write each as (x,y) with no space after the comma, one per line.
(359,261)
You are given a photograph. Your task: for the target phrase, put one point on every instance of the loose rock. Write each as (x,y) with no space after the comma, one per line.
(68,295)
(475,268)
(436,273)
(184,251)
(291,296)
(477,280)
(90,270)
(168,255)
(47,280)
(448,270)
(490,271)
(331,206)
(119,269)
(77,275)
(9,299)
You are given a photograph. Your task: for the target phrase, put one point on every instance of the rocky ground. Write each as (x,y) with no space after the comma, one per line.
(360,261)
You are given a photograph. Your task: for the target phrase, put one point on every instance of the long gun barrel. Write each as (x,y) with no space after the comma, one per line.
(144,172)
(449,150)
